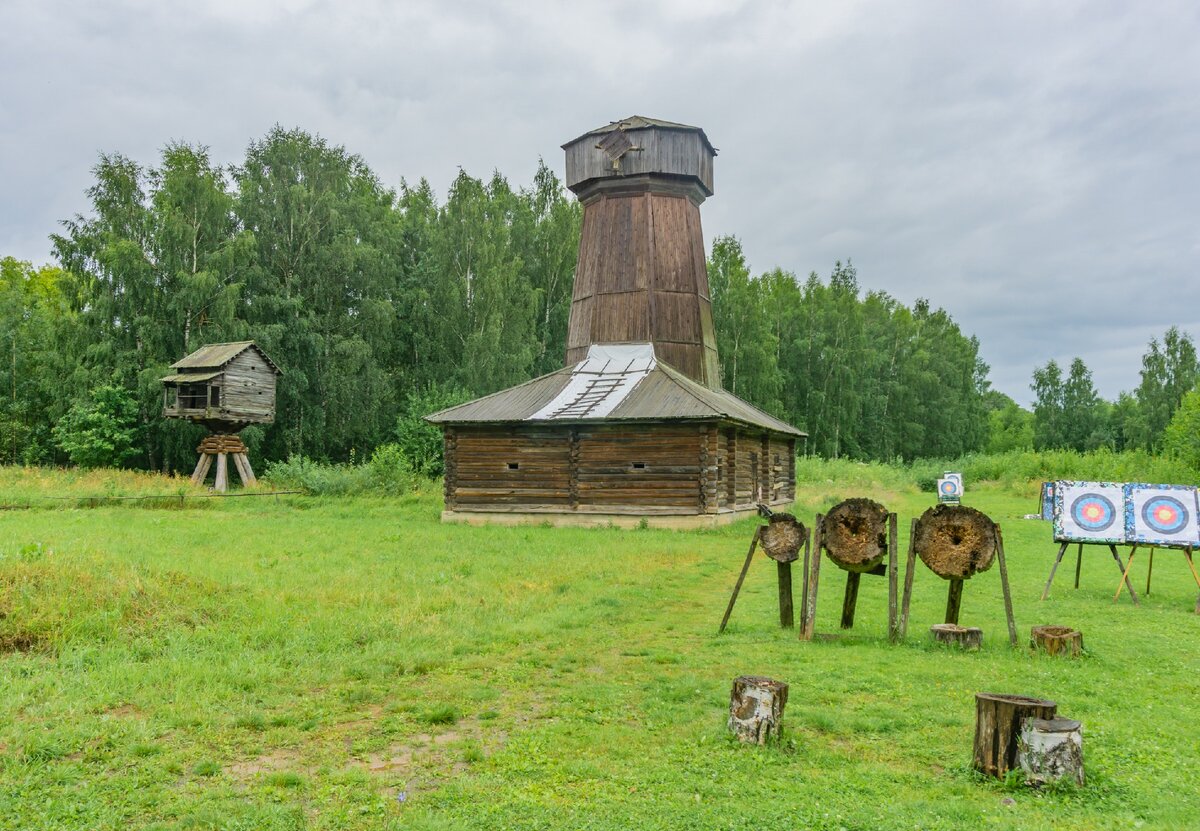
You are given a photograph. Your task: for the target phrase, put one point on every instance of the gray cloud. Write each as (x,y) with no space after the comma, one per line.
(1031,168)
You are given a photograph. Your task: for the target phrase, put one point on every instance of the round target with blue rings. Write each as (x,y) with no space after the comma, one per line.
(1093,512)
(1165,515)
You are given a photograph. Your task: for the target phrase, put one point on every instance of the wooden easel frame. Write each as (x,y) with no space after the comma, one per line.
(1112,547)
(954,592)
(850,599)
(1187,553)
(784,572)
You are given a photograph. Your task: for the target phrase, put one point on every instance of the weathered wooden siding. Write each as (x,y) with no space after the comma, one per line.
(668,468)
(675,152)
(483,476)
(248,388)
(641,277)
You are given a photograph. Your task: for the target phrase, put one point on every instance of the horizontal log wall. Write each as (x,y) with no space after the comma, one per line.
(248,388)
(668,468)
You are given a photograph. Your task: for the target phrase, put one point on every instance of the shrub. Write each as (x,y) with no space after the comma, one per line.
(101,431)
(387,472)
(420,441)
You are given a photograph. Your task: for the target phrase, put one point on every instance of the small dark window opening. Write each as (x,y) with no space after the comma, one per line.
(514,465)
(192,396)
(214,396)
(639,465)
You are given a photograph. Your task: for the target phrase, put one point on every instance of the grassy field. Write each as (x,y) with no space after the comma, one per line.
(310,663)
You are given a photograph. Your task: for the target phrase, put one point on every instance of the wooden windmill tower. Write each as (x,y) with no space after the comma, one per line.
(226,387)
(636,425)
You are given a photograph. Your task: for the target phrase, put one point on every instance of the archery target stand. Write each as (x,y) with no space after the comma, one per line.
(955,573)
(781,540)
(850,598)
(221,447)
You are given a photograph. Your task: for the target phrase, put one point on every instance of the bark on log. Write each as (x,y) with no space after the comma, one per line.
(854,532)
(951,634)
(756,708)
(956,542)
(998,720)
(1050,750)
(1057,640)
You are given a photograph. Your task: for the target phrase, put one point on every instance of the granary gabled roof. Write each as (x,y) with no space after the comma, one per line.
(616,382)
(641,122)
(216,355)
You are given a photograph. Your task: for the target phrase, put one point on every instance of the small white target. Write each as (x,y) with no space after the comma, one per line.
(950,487)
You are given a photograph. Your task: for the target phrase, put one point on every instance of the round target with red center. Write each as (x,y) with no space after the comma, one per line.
(1165,514)
(1093,512)
(949,487)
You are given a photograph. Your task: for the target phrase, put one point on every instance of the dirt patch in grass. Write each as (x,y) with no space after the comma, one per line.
(281,759)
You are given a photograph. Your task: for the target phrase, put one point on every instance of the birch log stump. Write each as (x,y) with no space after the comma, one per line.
(951,634)
(1051,749)
(1057,640)
(756,708)
(998,720)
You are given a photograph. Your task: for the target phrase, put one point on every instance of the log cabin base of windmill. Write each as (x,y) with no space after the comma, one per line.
(221,448)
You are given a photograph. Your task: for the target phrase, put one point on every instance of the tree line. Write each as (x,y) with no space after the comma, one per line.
(382,304)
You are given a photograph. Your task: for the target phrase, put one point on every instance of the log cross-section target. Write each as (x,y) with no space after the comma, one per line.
(956,543)
(856,535)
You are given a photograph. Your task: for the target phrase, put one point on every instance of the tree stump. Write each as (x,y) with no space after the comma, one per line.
(1057,640)
(998,720)
(854,533)
(756,708)
(951,634)
(1050,750)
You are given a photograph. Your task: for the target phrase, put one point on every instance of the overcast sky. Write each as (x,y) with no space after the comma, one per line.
(1032,168)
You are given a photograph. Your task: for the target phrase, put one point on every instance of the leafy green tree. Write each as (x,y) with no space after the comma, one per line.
(1169,371)
(420,441)
(1083,415)
(1049,431)
(1181,439)
(1010,427)
(101,431)
(746,343)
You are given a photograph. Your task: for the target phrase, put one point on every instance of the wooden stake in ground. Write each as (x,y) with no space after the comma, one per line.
(741,578)
(1050,750)
(756,708)
(951,634)
(1056,640)
(814,575)
(908,579)
(998,719)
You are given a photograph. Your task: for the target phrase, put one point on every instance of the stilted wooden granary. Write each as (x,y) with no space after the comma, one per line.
(226,387)
(636,425)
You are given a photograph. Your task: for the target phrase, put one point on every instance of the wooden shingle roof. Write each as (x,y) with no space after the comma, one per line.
(216,355)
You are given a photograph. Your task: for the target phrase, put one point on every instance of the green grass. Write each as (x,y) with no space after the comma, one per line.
(327,664)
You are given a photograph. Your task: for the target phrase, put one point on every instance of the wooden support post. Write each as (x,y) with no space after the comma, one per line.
(1050,750)
(1061,551)
(786,619)
(893,582)
(756,708)
(239,466)
(998,721)
(1149,571)
(814,577)
(953,601)
(851,599)
(249,469)
(1008,606)
(202,467)
(222,482)
(1078,564)
(1124,572)
(1057,640)
(738,586)
(1187,552)
(909,568)
(804,583)
(951,634)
